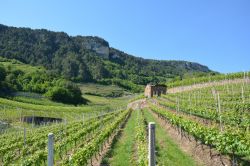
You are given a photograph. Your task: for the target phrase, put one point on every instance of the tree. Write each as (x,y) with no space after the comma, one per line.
(70,66)
(84,74)
(2,73)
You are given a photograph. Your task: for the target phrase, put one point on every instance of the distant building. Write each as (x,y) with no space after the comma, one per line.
(157,90)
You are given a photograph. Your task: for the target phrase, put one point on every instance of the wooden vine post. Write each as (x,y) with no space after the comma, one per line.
(219,109)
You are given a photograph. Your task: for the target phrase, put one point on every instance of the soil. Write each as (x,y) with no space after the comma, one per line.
(96,160)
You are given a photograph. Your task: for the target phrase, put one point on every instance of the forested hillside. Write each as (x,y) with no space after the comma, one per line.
(17,76)
(87,59)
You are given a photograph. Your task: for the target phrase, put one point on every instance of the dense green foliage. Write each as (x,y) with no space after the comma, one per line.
(217,115)
(3,86)
(2,73)
(233,99)
(67,93)
(86,59)
(168,150)
(141,140)
(233,142)
(15,78)
(80,135)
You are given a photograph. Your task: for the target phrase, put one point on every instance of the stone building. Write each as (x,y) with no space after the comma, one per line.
(157,90)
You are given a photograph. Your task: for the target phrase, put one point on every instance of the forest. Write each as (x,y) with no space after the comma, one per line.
(88,59)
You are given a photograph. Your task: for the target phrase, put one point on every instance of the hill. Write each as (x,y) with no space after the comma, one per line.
(87,58)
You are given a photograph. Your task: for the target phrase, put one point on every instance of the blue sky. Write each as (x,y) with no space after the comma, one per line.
(215,33)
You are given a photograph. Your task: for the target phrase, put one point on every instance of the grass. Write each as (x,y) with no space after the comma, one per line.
(102,90)
(168,152)
(122,150)
(40,101)
(107,101)
(14,64)
(26,104)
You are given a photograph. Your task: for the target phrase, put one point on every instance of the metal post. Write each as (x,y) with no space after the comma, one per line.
(151,144)
(50,149)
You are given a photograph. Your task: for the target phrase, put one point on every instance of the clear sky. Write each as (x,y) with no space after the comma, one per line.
(215,33)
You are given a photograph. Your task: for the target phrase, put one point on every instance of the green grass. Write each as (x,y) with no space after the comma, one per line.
(40,101)
(25,105)
(49,108)
(15,64)
(168,152)
(102,90)
(122,150)
(106,101)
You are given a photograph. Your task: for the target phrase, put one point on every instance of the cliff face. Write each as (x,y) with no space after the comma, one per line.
(96,44)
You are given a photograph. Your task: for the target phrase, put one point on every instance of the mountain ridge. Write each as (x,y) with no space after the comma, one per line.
(87,58)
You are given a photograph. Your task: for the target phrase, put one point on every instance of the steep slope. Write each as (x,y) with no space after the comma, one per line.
(85,59)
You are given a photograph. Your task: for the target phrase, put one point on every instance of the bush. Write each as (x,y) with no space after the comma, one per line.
(69,94)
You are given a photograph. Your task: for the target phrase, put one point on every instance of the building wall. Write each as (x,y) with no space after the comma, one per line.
(152,90)
(148,91)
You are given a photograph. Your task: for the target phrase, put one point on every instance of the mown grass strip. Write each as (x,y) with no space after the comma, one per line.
(168,152)
(121,153)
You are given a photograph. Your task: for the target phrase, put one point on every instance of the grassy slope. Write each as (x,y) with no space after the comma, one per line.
(168,153)
(20,66)
(100,90)
(12,109)
(38,101)
(111,102)
(122,151)
(42,104)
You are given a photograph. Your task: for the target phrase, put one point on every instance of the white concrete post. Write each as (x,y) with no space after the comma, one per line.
(83,118)
(50,149)
(24,136)
(151,144)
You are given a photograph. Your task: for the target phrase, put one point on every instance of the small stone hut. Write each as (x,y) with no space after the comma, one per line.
(157,90)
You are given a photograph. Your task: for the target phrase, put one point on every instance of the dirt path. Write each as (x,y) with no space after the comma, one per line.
(138,104)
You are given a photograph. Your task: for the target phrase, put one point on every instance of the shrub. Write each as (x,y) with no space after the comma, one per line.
(70,94)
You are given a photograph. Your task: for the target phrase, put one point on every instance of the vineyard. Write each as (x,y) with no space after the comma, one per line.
(199,126)
(125,83)
(216,116)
